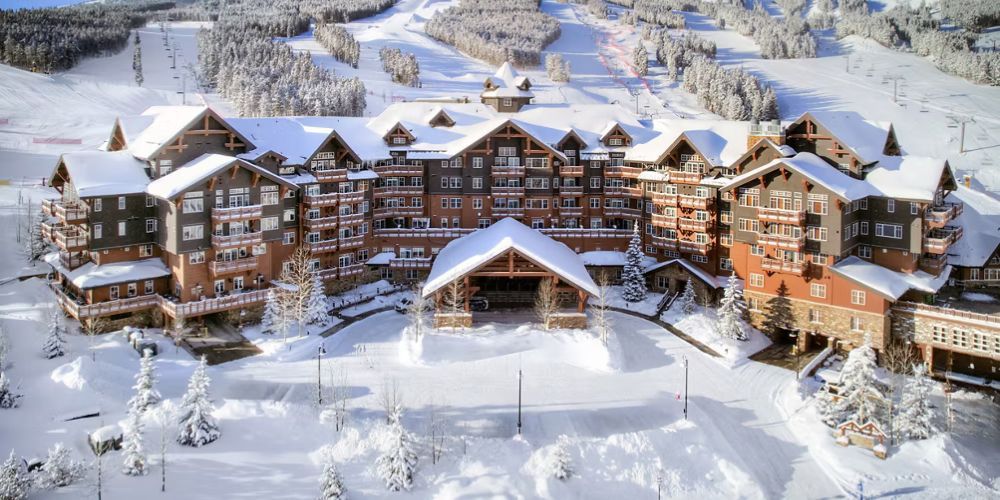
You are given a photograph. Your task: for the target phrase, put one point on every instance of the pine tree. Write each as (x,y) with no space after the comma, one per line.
(316,307)
(779,314)
(915,417)
(146,394)
(55,343)
(271,321)
(560,465)
(331,482)
(133,452)
(397,466)
(137,61)
(37,245)
(4,347)
(15,483)
(860,397)
(8,398)
(731,310)
(197,426)
(59,469)
(640,58)
(632,277)
(688,299)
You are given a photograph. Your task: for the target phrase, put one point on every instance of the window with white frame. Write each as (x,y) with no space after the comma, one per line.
(147,287)
(757,250)
(865,252)
(756,280)
(288,238)
(196,257)
(857,324)
(146,250)
(269,198)
(817,290)
(268,223)
(122,227)
(858,297)
(121,203)
(193,232)
(894,231)
(890,205)
(151,225)
(815,316)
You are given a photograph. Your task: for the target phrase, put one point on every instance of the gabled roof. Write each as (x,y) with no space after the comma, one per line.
(506,82)
(866,138)
(815,169)
(200,169)
(468,253)
(298,138)
(102,173)
(439,114)
(258,153)
(91,275)
(705,277)
(720,142)
(913,178)
(159,126)
(399,126)
(980,221)
(886,282)
(611,127)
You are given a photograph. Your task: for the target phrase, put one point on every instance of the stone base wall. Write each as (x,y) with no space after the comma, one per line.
(968,347)
(568,321)
(676,276)
(462,320)
(836,322)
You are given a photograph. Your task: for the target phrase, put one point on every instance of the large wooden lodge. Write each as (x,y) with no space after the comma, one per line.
(185,213)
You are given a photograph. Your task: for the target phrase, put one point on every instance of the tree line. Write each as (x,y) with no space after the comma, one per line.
(401,66)
(339,42)
(496,31)
(731,93)
(675,54)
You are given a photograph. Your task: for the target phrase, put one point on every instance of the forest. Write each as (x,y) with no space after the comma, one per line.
(496,31)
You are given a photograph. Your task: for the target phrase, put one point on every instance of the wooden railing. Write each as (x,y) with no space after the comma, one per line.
(508,211)
(694,247)
(660,220)
(398,212)
(66,211)
(323,245)
(230,214)
(507,190)
(68,238)
(586,233)
(352,197)
(938,240)
(320,223)
(205,306)
(218,267)
(666,199)
(351,218)
(237,240)
(782,241)
(82,311)
(680,177)
(398,191)
(332,175)
(695,201)
(385,170)
(783,266)
(781,215)
(570,211)
(507,171)
(571,170)
(570,190)
(412,263)
(322,200)
(352,241)
(940,215)
(422,233)
(699,226)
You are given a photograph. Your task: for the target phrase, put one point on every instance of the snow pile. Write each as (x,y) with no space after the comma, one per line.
(978,297)
(82,374)
(645,306)
(701,326)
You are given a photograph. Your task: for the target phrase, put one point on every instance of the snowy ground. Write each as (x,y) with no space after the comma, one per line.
(701,326)
(646,306)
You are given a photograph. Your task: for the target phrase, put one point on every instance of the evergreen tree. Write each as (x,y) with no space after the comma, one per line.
(8,398)
(632,277)
(560,466)
(331,482)
(133,452)
(779,314)
(137,61)
(272,319)
(640,59)
(316,308)
(915,417)
(731,310)
(197,426)
(59,469)
(688,299)
(397,466)
(37,244)
(55,343)
(4,348)
(146,394)
(15,483)
(860,398)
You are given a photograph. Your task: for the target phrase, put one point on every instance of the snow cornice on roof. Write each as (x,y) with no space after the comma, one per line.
(201,169)
(815,169)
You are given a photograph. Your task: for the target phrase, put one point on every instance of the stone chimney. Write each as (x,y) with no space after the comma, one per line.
(767,130)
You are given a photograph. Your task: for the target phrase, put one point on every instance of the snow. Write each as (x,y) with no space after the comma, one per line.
(198,170)
(702,327)
(467,253)
(913,178)
(99,173)
(867,138)
(506,82)
(362,175)
(157,127)
(980,221)
(886,282)
(708,279)
(91,275)
(381,259)
(297,138)
(602,258)
(816,169)
(646,306)
(720,142)
(978,297)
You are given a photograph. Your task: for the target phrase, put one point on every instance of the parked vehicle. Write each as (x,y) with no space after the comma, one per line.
(479,304)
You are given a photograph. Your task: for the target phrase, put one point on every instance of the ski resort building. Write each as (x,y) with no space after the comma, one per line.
(184,213)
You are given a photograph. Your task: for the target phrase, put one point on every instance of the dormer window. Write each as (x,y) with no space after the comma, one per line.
(614,142)
(399,140)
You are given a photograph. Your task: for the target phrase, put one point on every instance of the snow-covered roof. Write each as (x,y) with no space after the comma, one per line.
(866,138)
(91,275)
(886,282)
(157,126)
(258,153)
(200,169)
(710,280)
(102,173)
(465,254)
(298,138)
(817,170)
(914,178)
(506,82)
(381,259)
(361,175)
(610,258)
(721,142)
(980,221)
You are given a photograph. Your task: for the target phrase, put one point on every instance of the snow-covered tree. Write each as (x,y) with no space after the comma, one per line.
(416,312)
(8,398)
(36,242)
(401,66)
(4,347)
(546,302)
(496,31)
(557,68)
(55,342)
(560,466)
(397,465)
(640,58)
(601,307)
(15,483)
(137,61)
(632,278)
(197,426)
(729,325)
(339,42)
(317,311)
(273,319)
(59,469)
(779,317)
(331,482)
(133,451)
(915,413)
(860,399)
(688,298)
(146,394)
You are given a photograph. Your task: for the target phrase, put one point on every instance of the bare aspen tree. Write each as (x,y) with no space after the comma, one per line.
(297,273)
(416,312)
(546,302)
(436,431)
(91,328)
(600,308)
(392,401)
(454,298)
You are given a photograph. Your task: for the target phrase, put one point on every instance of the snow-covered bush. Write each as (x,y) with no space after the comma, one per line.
(597,8)
(15,483)
(133,452)
(146,394)
(272,320)
(676,54)
(640,59)
(496,31)
(55,342)
(401,66)
(197,426)
(915,413)
(557,68)
(331,482)
(8,398)
(688,298)
(731,309)
(632,278)
(317,310)
(560,466)
(397,465)
(59,469)
(339,42)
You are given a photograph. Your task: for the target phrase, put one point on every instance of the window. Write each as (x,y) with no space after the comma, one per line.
(289,215)
(817,290)
(196,257)
(131,290)
(726,263)
(815,316)
(614,141)
(444,182)
(97,205)
(703,259)
(220,286)
(237,282)
(537,223)
(121,203)
(399,140)
(890,205)
(147,287)
(456,203)
(753,303)
(507,151)
(455,182)
(193,232)
(193,205)
(269,198)
(477,162)
(816,233)
(477,203)
(269,223)
(508,102)
(146,250)
(150,201)
(914,208)
(865,252)
(483,223)
(121,228)
(894,231)
(819,260)
(857,297)
(857,324)
(113,292)
(749,197)
(757,250)
(756,280)
(289,238)
(818,206)
(595,202)
(537,183)
(151,225)
(750,225)
(864,228)
(477,183)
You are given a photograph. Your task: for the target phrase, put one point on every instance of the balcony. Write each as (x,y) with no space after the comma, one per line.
(570,190)
(65,211)
(782,241)
(67,238)
(782,266)
(632,191)
(322,200)
(237,240)
(614,190)
(679,177)
(398,191)
(386,170)
(939,240)
(351,270)
(356,196)
(321,223)
(233,214)
(665,199)
(383,212)
(781,216)
(507,171)
(661,242)
(72,260)
(932,263)
(667,221)
(352,241)
(622,171)
(424,233)
(939,216)
(332,175)
(580,232)
(699,226)
(411,263)
(351,218)
(622,212)
(508,211)
(220,267)
(570,211)
(695,202)
(507,190)
(571,170)
(695,247)
(80,310)
(323,246)
(205,306)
